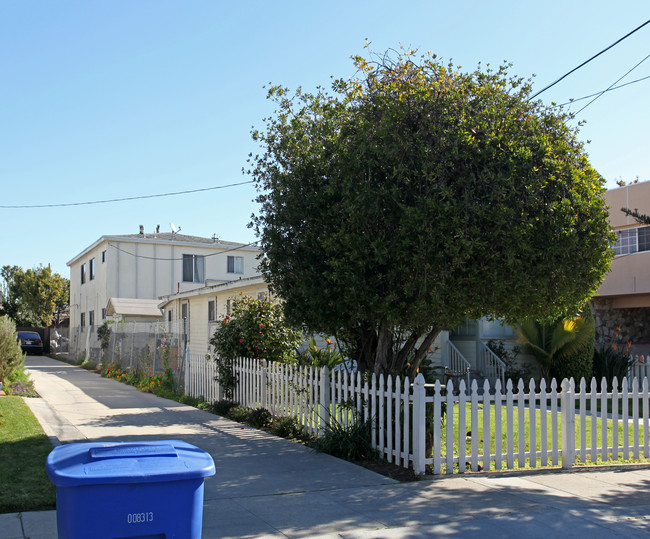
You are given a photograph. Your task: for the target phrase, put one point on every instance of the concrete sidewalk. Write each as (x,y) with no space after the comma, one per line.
(270,487)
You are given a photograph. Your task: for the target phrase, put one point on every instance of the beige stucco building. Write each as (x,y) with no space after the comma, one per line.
(147,266)
(622,304)
(203,307)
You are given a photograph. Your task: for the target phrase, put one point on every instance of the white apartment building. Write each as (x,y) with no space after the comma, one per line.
(146,266)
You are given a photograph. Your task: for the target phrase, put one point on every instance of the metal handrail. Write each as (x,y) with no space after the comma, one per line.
(494,366)
(457,362)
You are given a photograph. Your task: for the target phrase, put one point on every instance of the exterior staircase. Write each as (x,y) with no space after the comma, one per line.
(485,366)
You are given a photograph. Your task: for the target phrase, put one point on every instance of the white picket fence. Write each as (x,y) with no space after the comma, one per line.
(491,428)
(639,369)
(533,426)
(200,378)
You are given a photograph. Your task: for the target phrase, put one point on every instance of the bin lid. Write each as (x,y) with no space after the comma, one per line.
(126,462)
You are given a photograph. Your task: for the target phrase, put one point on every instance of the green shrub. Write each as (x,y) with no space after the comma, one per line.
(349,443)
(104,334)
(610,362)
(259,418)
(287,427)
(223,407)
(12,359)
(239,414)
(327,356)
(186,399)
(256,328)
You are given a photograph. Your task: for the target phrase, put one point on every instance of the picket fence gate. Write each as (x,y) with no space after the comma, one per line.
(449,429)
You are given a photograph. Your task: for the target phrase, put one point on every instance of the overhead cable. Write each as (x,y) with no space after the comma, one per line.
(603,91)
(124,198)
(590,59)
(613,84)
(180,259)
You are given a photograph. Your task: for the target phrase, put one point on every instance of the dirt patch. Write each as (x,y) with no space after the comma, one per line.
(403,475)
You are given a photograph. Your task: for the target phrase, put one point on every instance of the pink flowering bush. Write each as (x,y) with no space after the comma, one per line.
(256,328)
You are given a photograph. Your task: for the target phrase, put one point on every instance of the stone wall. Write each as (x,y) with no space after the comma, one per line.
(620,325)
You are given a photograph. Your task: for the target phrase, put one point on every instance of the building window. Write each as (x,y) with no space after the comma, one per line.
(235,264)
(643,238)
(496,329)
(83,320)
(169,315)
(228,307)
(91,318)
(212,310)
(91,275)
(104,314)
(468,329)
(632,240)
(103,256)
(83,273)
(193,268)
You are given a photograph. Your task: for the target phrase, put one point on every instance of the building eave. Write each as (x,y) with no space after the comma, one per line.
(154,239)
(230,285)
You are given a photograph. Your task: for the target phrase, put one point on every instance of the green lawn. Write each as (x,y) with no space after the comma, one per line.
(523,430)
(23,450)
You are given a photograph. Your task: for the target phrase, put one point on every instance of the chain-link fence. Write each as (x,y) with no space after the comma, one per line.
(148,347)
(60,342)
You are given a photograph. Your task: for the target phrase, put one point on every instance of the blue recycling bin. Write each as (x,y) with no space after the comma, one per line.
(150,490)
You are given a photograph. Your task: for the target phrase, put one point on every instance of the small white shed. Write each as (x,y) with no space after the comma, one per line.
(134,310)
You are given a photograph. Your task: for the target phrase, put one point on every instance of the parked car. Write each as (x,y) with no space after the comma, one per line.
(30,342)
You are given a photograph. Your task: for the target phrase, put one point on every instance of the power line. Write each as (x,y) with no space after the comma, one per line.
(125,198)
(590,59)
(603,91)
(613,84)
(179,259)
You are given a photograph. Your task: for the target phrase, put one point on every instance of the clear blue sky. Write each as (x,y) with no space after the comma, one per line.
(109,99)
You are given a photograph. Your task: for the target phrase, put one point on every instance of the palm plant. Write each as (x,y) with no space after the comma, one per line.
(552,342)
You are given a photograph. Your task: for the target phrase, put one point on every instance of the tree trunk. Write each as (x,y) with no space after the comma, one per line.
(403,354)
(422,351)
(384,350)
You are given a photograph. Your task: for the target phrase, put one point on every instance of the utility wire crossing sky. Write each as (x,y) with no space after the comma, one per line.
(134,113)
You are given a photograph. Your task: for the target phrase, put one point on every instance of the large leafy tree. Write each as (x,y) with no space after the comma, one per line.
(416,195)
(35,297)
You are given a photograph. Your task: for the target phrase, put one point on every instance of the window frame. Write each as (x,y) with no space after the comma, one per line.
(83,273)
(626,242)
(235,263)
(197,268)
